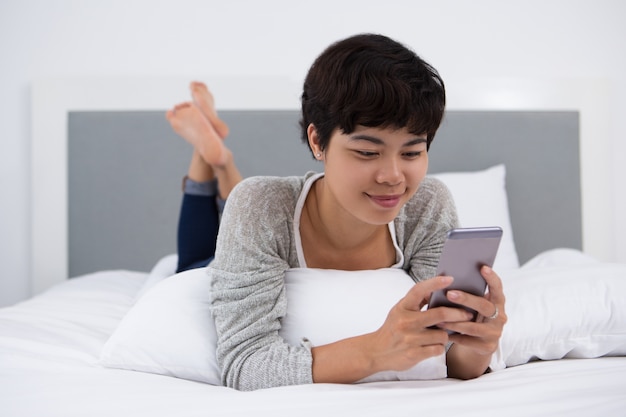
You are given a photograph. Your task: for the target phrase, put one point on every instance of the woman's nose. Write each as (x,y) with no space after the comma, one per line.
(389,172)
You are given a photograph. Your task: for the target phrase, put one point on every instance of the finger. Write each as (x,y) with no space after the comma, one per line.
(477,303)
(483,345)
(430,337)
(441,315)
(467,329)
(420,292)
(474,330)
(495,285)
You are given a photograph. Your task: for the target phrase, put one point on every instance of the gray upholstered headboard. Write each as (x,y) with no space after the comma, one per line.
(125,170)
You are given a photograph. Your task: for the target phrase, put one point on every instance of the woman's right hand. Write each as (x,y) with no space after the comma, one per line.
(404,339)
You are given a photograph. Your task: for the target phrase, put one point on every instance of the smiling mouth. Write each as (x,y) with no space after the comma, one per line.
(387,201)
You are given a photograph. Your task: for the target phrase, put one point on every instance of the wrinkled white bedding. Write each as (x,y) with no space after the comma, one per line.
(50,346)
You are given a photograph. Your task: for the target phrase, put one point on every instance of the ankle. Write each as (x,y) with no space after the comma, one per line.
(224,163)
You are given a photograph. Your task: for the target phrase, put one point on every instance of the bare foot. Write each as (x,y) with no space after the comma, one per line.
(203,98)
(188,121)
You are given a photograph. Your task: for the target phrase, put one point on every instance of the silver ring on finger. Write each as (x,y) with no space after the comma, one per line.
(495,313)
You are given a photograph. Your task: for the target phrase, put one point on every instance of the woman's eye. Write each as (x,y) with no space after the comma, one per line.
(367,154)
(412,154)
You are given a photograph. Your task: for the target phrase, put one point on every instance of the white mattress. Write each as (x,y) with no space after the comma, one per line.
(50,345)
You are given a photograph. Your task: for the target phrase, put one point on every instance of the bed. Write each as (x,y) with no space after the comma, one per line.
(122,337)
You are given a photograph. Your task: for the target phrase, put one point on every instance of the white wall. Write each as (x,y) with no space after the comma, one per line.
(462,39)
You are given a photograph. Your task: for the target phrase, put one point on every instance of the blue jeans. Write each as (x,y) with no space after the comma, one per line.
(198,225)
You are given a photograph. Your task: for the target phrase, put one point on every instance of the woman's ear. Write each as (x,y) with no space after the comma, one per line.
(314,143)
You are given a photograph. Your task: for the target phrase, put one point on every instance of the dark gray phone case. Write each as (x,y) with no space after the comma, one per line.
(465,251)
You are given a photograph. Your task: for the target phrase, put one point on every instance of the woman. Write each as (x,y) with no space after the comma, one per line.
(370,110)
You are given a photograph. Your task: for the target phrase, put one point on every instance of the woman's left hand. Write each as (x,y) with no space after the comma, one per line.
(475,342)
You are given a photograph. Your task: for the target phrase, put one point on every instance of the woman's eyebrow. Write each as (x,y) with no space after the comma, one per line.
(378,141)
(415,141)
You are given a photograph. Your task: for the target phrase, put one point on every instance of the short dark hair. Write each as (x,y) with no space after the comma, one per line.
(374,81)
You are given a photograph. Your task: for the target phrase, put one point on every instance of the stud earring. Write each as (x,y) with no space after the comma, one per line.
(319,155)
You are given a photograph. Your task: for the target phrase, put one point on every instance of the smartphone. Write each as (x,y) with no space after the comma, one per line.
(465,252)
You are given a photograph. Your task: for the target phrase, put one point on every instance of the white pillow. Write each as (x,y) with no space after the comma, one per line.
(170,331)
(481,200)
(572,311)
(554,312)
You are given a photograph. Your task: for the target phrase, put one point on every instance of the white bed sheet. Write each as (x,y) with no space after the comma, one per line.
(49,348)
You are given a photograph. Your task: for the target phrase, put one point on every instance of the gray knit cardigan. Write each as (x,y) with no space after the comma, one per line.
(255,248)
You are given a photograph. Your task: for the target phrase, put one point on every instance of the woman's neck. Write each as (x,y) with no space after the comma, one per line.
(334,239)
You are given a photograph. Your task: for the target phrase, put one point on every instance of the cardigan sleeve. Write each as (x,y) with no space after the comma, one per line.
(248,296)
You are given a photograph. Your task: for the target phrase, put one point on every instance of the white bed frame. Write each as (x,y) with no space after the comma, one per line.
(54,98)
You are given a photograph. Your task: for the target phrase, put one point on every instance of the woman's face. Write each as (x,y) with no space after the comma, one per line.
(372,172)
